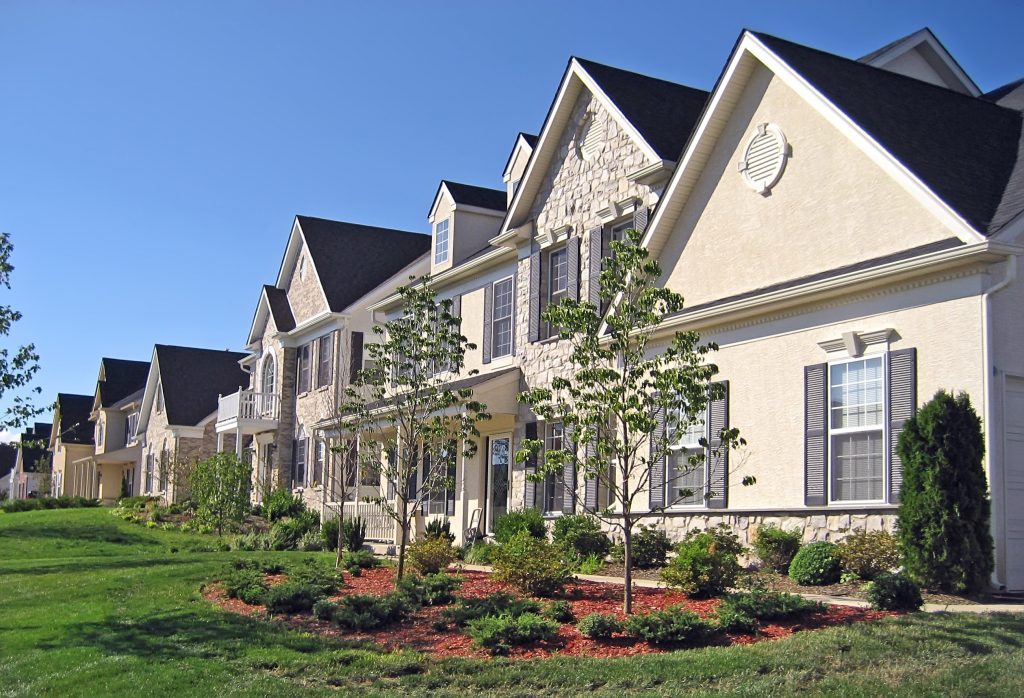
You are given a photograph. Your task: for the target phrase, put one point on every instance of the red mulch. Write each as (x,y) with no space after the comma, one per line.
(418,633)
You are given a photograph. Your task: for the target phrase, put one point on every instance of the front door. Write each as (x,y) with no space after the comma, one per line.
(498,469)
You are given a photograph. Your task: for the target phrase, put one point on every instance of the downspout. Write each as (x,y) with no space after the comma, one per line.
(989,368)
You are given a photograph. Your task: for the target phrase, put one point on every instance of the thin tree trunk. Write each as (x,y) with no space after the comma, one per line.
(403,526)
(627,554)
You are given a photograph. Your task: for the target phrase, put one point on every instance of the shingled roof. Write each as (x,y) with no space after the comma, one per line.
(74,425)
(472,195)
(967,150)
(34,454)
(663,112)
(193,379)
(280,308)
(121,377)
(352,259)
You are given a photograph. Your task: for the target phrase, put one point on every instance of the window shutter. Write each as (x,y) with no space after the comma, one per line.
(640,219)
(456,311)
(718,466)
(355,359)
(530,487)
(572,260)
(656,481)
(595,242)
(535,296)
(295,459)
(902,369)
(590,486)
(815,434)
(392,456)
(512,339)
(488,301)
(569,477)
(449,505)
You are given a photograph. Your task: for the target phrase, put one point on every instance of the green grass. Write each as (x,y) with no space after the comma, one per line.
(91,605)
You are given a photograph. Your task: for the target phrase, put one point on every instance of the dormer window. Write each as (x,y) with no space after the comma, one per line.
(441,242)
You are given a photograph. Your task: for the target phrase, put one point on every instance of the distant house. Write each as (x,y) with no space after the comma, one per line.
(71,446)
(31,474)
(8,458)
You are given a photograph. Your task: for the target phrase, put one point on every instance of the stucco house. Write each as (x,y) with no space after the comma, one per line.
(71,445)
(31,474)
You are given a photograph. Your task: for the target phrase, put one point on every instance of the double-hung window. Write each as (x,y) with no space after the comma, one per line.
(299,458)
(441,241)
(686,472)
(131,424)
(557,283)
(501,318)
(439,497)
(325,360)
(857,429)
(304,369)
(554,483)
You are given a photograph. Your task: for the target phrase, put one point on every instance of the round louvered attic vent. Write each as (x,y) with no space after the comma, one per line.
(765,158)
(589,137)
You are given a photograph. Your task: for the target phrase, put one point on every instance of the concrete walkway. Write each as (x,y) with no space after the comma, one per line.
(824,598)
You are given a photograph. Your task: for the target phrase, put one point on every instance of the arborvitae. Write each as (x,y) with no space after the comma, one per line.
(944,510)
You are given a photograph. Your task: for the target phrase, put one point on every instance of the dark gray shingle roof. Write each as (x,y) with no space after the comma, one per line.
(122,378)
(472,195)
(280,308)
(74,425)
(193,379)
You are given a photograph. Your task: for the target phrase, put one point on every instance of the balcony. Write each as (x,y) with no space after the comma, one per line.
(248,412)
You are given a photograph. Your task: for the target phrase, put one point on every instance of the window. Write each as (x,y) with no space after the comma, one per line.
(617,233)
(325,360)
(131,425)
(268,383)
(319,458)
(159,397)
(686,464)
(299,460)
(558,282)
(856,429)
(441,242)
(501,318)
(148,480)
(554,483)
(303,369)
(165,467)
(439,497)
(99,432)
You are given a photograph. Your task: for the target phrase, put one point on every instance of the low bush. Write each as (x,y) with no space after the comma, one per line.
(705,563)
(246,584)
(591,564)
(498,634)
(733,620)
(290,597)
(431,590)
(311,542)
(353,533)
(868,554)
(599,626)
(480,553)
(365,612)
(324,609)
(430,555)
(265,565)
(281,504)
(312,573)
(776,547)
(439,528)
(894,592)
(672,626)
(511,523)
(471,608)
(254,541)
(815,565)
(650,548)
(355,561)
(15,506)
(532,565)
(559,611)
(580,536)
(770,605)
(329,534)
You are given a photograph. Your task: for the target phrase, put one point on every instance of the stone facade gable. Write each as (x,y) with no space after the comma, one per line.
(303,288)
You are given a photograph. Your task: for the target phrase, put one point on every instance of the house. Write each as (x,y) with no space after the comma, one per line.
(31,475)
(8,458)
(71,445)
(178,414)
(114,413)
(305,343)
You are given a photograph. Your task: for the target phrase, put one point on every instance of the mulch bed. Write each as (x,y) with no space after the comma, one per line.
(781,582)
(418,633)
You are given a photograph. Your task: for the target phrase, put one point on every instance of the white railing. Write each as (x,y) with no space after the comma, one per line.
(248,404)
(379,526)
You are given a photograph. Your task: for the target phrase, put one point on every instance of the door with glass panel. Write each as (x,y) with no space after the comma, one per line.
(498,469)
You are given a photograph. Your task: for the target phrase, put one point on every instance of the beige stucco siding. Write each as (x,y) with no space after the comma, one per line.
(832,207)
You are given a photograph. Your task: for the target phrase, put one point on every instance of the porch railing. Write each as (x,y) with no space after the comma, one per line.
(248,404)
(379,526)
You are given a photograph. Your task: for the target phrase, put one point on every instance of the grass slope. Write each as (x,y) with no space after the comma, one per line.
(91,605)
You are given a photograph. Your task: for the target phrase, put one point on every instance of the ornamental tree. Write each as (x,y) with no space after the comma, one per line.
(406,409)
(621,403)
(220,487)
(17,368)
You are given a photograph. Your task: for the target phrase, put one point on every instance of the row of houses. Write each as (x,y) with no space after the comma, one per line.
(847,231)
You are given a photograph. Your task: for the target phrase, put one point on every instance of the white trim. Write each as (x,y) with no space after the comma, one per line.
(511,318)
(840,431)
(925,36)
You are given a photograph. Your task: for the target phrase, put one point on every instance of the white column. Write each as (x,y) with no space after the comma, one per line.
(220,442)
(238,442)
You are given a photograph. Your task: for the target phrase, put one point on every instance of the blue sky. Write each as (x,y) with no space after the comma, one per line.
(152,155)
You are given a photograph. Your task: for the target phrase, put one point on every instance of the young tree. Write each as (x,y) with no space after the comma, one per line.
(341,479)
(944,506)
(17,369)
(220,486)
(405,411)
(621,403)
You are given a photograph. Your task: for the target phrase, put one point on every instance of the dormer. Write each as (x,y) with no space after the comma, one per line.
(462,219)
(923,57)
(516,165)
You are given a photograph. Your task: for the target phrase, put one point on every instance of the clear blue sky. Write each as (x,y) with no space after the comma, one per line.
(152,155)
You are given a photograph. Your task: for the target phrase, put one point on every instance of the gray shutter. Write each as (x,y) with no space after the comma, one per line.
(590,486)
(815,435)
(392,456)
(449,505)
(594,244)
(640,219)
(355,359)
(530,467)
(456,311)
(718,466)
(535,296)
(572,260)
(488,302)
(656,481)
(569,477)
(412,484)
(902,368)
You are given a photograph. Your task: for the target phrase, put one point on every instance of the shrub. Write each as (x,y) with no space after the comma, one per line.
(355,561)
(868,554)
(770,605)
(324,609)
(220,485)
(354,533)
(815,565)
(650,548)
(776,547)
(510,523)
(672,626)
(705,562)
(315,575)
(285,534)
(480,553)
(430,555)
(265,565)
(290,597)
(599,626)
(580,536)
(311,542)
(432,590)
(469,609)
(894,592)
(247,584)
(329,534)
(282,503)
(591,564)
(365,612)
(253,541)
(560,611)
(498,633)
(439,528)
(532,565)
(15,506)
(733,620)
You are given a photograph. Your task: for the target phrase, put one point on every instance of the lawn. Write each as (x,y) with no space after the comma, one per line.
(91,605)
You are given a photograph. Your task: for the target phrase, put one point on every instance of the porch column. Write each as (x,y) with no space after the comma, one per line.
(238,442)
(220,442)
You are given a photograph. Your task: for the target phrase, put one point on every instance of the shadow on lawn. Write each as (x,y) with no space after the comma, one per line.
(80,565)
(978,634)
(77,533)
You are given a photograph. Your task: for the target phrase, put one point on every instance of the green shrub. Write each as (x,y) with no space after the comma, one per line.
(286,533)
(510,523)
(532,565)
(431,590)
(672,626)
(246,584)
(282,503)
(355,561)
(311,573)
(365,612)
(354,533)
(498,634)
(868,554)
(580,536)
(815,565)
(471,608)
(776,547)
(254,541)
(733,620)
(480,553)
(290,597)
(311,542)
(325,609)
(705,563)
(560,611)
(430,555)
(650,548)
(770,605)
(16,506)
(591,564)
(599,626)
(944,506)
(329,534)
(439,528)
(894,592)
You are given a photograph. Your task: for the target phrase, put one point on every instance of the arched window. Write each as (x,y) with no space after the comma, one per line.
(269,378)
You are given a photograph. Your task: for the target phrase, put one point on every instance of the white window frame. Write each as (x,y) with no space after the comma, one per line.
(839,431)
(441,243)
(131,425)
(495,353)
(556,480)
(269,363)
(552,295)
(688,441)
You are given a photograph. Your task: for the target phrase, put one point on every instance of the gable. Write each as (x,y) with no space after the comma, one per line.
(833,206)
(305,295)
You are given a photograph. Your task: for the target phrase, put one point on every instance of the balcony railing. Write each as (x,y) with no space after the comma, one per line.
(248,405)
